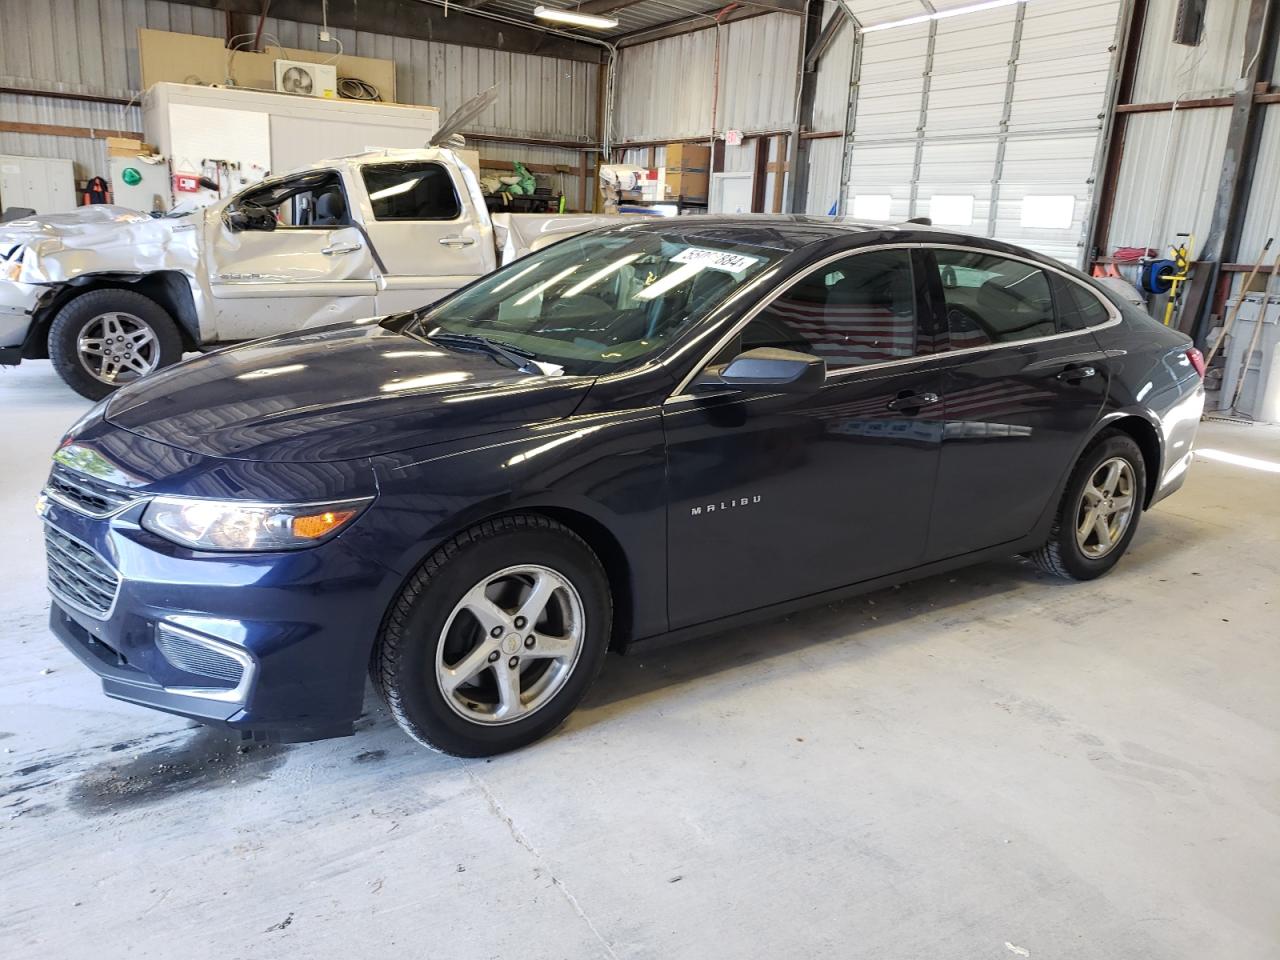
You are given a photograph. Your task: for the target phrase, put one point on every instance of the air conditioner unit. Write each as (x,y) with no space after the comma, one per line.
(307,79)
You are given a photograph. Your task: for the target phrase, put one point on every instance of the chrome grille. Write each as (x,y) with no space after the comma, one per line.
(87,494)
(78,576)
(205,660)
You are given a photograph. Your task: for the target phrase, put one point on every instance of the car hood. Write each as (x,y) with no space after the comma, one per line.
(55,248)
(337,393)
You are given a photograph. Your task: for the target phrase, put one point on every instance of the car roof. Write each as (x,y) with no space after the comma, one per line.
(793,232)
(786,229)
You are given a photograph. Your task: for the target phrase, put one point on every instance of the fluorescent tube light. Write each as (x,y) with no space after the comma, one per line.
(940,15)
(574,17)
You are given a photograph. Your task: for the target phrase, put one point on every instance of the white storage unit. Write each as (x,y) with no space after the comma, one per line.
(43,184)
(991,122)
(240,136)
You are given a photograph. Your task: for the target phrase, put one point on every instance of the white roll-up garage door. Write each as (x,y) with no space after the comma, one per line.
(991,121)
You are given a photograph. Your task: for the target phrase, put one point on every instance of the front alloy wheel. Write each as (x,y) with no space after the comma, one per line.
(117,348)
(104,339)
(510,644)
(496,637)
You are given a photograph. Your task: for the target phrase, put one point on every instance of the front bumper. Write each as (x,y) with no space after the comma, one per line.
(17,303)
(301,623)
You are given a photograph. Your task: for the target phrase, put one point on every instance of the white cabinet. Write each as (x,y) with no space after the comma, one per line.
(45,185)
(235,137)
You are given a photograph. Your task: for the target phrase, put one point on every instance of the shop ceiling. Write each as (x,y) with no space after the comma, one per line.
(512,25)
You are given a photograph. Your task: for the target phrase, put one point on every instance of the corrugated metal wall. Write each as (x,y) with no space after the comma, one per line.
(995,105)
(90,46)
(757,82)
(1168,176)
(1262,218)
(1172,161)
(831,94)
(1167,69)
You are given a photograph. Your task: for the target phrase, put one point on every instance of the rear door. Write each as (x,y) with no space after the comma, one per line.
(776,497)
(1023,388)
(431,234)
(312,267)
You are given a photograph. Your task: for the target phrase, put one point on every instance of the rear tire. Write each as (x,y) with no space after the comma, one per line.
(105,339)
(461,670)
(1099,512)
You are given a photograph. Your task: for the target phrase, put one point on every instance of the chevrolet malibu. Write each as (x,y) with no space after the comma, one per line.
(659,429)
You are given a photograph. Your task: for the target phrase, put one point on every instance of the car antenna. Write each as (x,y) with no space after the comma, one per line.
(923,221)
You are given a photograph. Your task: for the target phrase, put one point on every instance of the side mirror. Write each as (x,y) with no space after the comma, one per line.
(250,218)
(766,370)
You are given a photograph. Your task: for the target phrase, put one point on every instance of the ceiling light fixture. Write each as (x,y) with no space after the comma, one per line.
(575,18)
(940,15)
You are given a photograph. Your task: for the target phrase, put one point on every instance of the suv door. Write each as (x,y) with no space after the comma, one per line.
(776,497)
(284,255)
(1024,387)
(426,225)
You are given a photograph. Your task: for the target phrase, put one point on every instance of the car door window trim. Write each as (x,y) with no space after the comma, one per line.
(680,392)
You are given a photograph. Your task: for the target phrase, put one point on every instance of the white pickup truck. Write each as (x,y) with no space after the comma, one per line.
(110,295)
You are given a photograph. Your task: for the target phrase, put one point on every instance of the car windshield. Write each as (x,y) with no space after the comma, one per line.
(603,302)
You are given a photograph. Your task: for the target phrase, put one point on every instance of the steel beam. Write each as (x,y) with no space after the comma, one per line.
(796,195)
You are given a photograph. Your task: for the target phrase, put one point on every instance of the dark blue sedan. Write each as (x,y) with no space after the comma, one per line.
(663,428)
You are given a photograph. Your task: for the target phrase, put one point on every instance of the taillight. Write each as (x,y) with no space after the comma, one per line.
(1197,361)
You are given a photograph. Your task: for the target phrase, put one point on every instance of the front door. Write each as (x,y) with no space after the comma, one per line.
(313,266)
(775,497)
(1023,390)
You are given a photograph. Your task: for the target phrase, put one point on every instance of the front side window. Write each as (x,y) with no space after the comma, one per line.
(411,191)
(603,302)
(991,299)
(310,200)
(852,312)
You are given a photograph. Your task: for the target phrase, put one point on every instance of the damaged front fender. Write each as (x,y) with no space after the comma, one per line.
(59,248)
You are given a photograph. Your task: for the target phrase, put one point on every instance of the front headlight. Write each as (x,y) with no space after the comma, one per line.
(242,526)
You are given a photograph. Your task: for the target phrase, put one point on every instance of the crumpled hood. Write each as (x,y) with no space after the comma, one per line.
(336,393)
(54,248)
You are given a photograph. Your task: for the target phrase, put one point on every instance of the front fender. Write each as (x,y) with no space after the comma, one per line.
(607,468)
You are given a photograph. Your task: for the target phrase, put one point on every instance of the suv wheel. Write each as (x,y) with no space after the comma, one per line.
(104,339)
(496,638)
(1099,511)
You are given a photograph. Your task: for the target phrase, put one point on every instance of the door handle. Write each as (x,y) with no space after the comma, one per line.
(337,248)
(457,241)
(1076,374)
(912,401)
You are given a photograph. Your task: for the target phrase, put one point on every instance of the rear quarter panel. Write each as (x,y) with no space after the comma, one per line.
(1152,377)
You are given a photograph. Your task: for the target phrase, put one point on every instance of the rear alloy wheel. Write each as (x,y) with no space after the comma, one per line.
(105,339)
(1099,511)
(496,638)
(1105,508)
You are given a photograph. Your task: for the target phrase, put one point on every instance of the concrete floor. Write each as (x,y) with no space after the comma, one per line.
(989,764)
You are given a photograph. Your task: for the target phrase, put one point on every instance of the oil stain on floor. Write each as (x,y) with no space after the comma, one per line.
(210,759)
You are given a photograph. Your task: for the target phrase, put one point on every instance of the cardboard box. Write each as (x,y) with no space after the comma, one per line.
(126,147)
(689,170)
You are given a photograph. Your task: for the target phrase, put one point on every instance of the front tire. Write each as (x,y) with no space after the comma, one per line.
(496,638)
(1099,512)
(104,339)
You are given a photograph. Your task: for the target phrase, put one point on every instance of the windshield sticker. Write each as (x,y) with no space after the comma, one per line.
(715,259)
